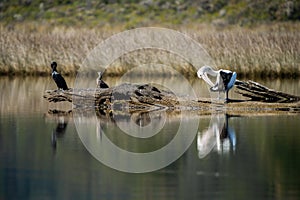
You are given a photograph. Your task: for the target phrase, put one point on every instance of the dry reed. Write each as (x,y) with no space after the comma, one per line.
(26,51)
(266,51)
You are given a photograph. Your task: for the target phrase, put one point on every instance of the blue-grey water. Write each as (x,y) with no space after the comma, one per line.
(258,158)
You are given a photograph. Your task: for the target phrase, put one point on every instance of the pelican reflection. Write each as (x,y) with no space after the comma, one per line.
(218,136)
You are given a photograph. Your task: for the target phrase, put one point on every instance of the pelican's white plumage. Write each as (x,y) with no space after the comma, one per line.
(224,82)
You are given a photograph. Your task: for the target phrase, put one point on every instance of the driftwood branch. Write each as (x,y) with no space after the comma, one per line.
(58,95)
(258,92)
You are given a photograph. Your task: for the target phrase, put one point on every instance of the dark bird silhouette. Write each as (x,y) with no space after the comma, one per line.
(100,82)
(59,80)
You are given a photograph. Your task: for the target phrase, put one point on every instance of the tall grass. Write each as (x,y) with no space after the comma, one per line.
(264,51)
(30,50)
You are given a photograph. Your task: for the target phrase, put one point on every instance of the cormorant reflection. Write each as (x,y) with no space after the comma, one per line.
(141,124)
(59,131)
(141,119)
(219,135)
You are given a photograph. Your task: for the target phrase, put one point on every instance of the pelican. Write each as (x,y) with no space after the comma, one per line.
(59,80)
(100,82)
(225,79)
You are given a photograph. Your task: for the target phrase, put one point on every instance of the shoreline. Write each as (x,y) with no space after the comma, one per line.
(192,75)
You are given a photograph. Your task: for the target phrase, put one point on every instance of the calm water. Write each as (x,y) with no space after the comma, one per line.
(43,157)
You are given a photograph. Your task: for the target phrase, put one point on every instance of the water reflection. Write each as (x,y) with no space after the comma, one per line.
(59,131)
(148,131)
(219,136)
(135,141)
(141,119)
(141,124)
(268,146)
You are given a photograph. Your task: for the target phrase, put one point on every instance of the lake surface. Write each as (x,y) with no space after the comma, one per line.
(227,157)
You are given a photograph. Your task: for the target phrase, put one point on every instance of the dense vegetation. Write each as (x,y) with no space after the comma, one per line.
(135,13)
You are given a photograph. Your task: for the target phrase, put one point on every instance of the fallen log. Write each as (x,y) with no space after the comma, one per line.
(146,97)
(138,95)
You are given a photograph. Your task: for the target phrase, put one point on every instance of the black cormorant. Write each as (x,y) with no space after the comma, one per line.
(59,80)
(100,82)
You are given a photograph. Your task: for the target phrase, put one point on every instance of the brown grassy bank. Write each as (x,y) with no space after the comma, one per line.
(269,50)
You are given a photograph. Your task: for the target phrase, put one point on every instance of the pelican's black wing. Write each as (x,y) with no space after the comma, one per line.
(226,76)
